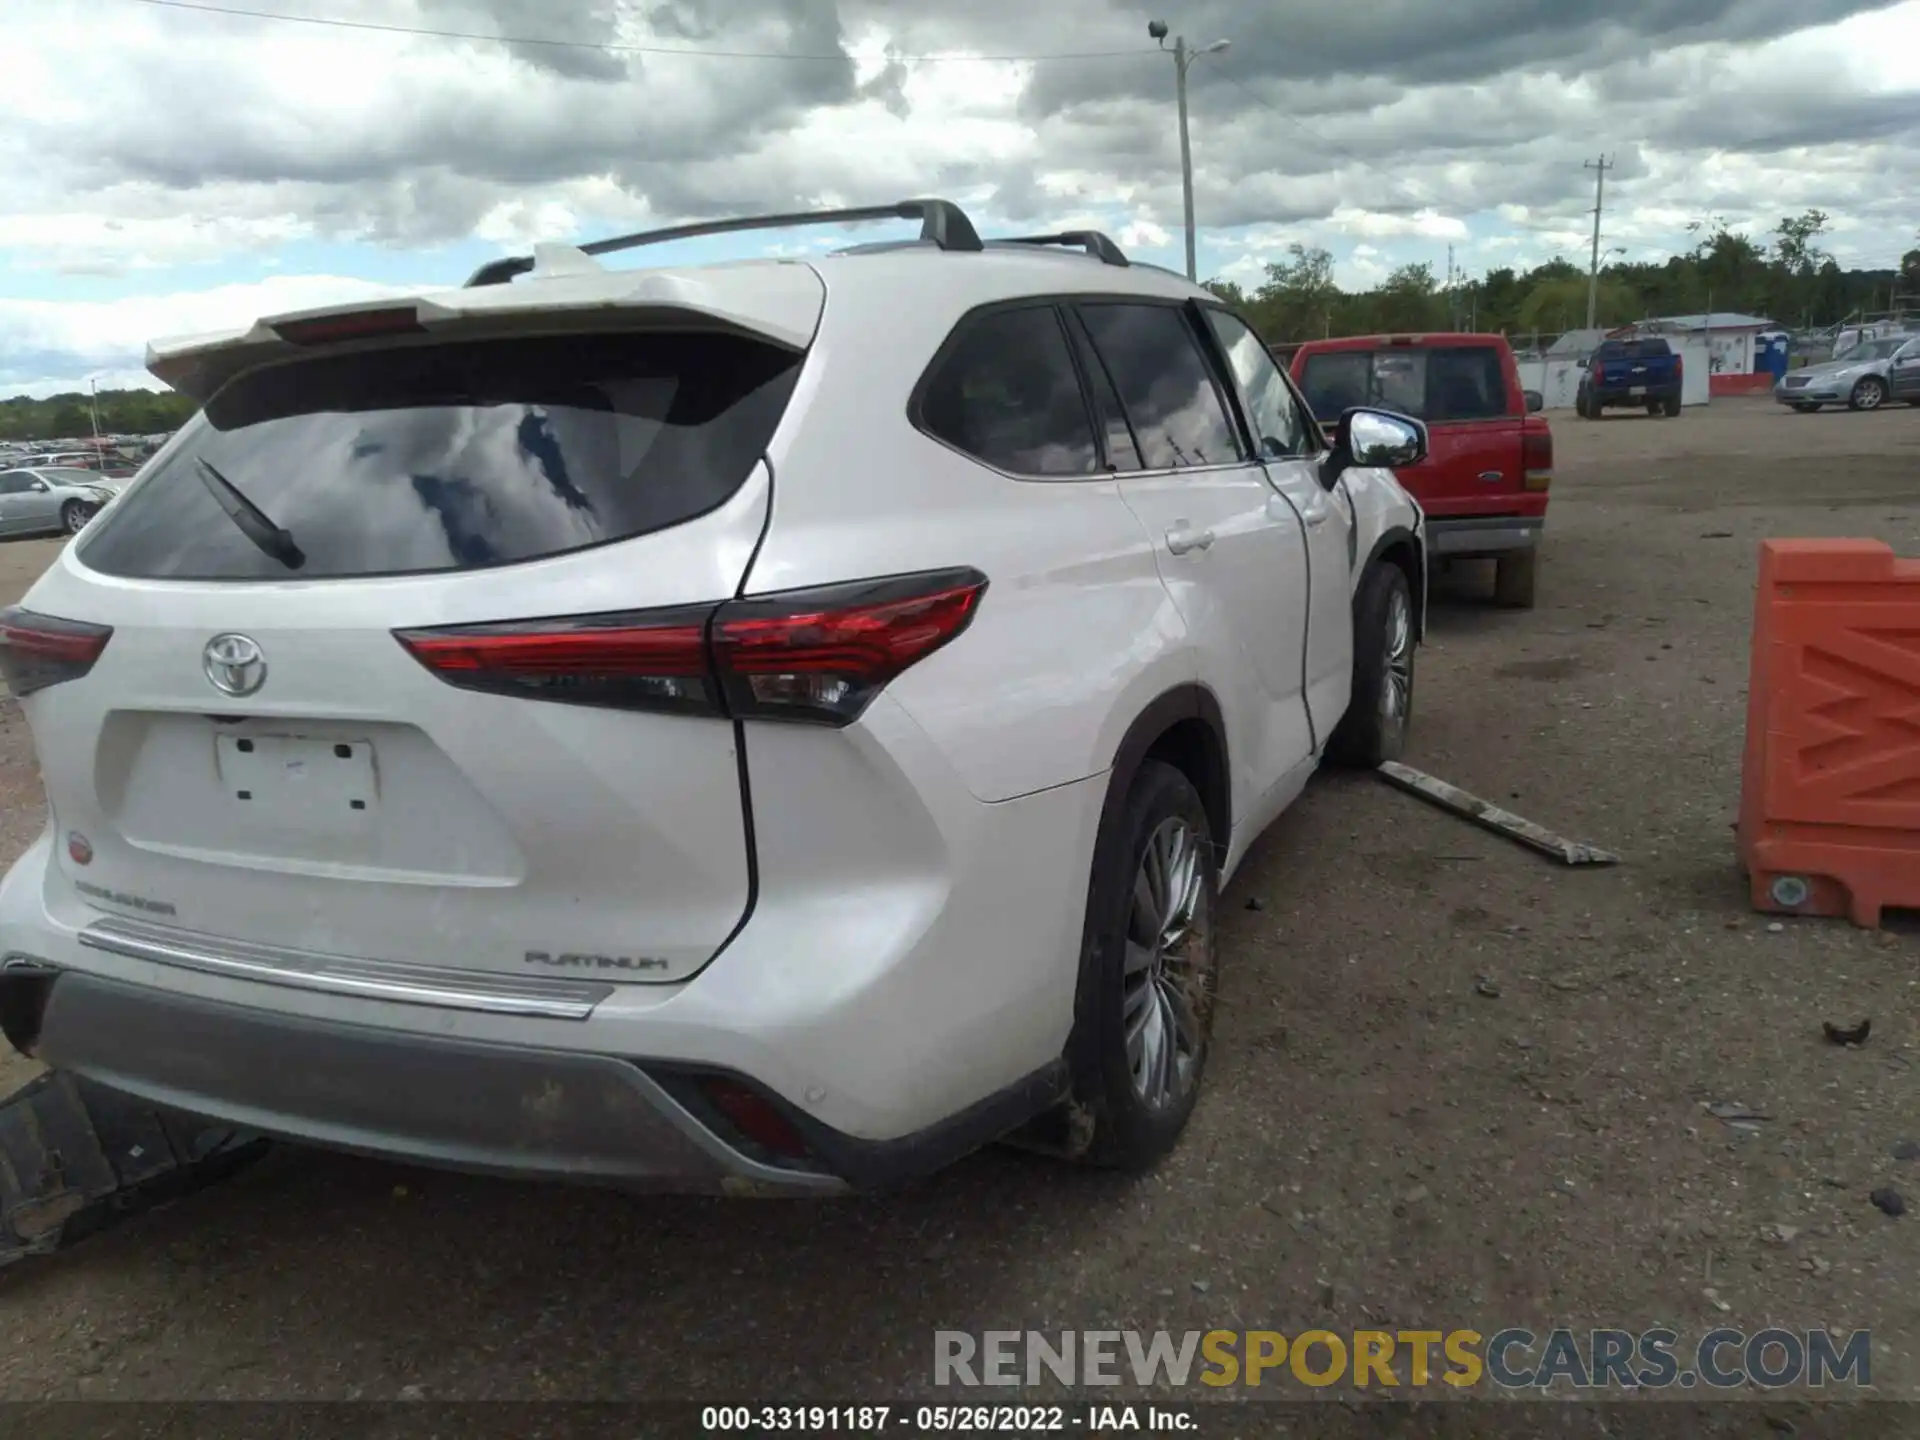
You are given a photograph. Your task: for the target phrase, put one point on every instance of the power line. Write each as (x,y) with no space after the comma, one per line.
(608,47)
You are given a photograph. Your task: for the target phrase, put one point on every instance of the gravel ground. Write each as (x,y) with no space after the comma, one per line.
(1454,1084)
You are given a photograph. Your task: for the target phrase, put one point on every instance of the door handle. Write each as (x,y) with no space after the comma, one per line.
(1492,477)
(1181,540)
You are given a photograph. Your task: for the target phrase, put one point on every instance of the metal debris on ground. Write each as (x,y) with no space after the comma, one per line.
(1735,1115)
(75,1158)
(1491,817)
(1855,1036)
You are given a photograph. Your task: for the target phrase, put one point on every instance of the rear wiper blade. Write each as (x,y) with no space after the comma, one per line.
(250,520)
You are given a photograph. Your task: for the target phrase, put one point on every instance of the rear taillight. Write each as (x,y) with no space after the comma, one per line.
(1536,458)
(817,655)
(41,650)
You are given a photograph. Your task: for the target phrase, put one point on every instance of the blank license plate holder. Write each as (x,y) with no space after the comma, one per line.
(293,779)
(1637,390)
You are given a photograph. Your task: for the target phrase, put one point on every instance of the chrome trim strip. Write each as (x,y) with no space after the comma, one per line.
(344,975)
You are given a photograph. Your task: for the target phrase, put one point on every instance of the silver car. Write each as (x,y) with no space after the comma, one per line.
(45,500)
(1862,378)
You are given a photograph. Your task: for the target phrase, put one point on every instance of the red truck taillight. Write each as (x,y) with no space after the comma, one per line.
(1536,458)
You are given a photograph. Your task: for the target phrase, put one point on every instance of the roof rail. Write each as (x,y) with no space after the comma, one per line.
(941,221)
(1096,244)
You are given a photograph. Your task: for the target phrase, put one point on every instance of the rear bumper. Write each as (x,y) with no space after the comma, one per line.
(1466,535)
(455,1104)
(1652,394)
(488,1108)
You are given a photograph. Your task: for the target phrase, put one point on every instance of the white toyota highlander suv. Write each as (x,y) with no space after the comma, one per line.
(767,727)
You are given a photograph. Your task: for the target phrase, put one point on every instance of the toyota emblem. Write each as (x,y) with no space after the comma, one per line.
(235,665)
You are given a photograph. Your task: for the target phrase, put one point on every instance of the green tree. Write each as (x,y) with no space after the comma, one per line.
(1410,299)
(1560,303)
(1297,301)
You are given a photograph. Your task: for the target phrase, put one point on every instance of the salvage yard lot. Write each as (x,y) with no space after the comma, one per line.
(1453,1084)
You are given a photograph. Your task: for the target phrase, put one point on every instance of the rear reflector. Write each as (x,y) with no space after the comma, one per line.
(817,656)
(41,650)
(353,325)
(757,1118)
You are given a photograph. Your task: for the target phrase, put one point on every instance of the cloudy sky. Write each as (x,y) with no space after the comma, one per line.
(166,169)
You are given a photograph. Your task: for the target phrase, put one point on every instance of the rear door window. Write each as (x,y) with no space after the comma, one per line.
(454,456)
(1004,391)
(1176,410)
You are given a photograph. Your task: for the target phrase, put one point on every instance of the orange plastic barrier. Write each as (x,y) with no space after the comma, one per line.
(1759,383)
(1830,785)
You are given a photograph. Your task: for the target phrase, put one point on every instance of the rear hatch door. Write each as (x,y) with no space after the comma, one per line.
(255,756)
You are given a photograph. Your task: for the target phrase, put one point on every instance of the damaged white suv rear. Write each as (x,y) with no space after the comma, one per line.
(767,727)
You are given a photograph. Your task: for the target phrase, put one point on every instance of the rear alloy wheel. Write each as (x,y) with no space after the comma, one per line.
(1869,394)
(1149,969)
(1381,704)
(74,516)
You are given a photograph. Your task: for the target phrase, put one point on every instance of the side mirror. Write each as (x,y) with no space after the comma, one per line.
(1374,439)
(39,487)
(1536,402)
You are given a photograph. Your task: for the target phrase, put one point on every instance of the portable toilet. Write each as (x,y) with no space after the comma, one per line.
(1770,352)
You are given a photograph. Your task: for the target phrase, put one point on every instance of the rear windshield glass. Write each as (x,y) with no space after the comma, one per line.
(1634,350)
(451,457)
(1454,382)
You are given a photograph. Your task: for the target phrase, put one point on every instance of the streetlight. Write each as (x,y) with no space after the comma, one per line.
(1183,58)
(93,404)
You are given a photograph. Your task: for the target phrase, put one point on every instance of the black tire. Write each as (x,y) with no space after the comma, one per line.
(1514,575)
(1110,1120)
(1580,404)
(1378,711)
(1869,394)
(1594,407)
(1671,408)
(74,516)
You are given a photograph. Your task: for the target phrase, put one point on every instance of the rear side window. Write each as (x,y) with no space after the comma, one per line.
(1176,410)
(1463,382)
(454,457)
(1004,391)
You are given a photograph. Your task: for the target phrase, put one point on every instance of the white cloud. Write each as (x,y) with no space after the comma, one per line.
(173,138)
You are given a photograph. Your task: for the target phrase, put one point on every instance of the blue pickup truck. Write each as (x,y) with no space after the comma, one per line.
(1630,374)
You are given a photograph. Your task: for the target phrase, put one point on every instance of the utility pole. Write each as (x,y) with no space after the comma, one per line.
(1600,167)
(1183,58)
(93,404)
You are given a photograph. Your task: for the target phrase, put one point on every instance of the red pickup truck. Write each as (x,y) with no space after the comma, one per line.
(1489,462)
